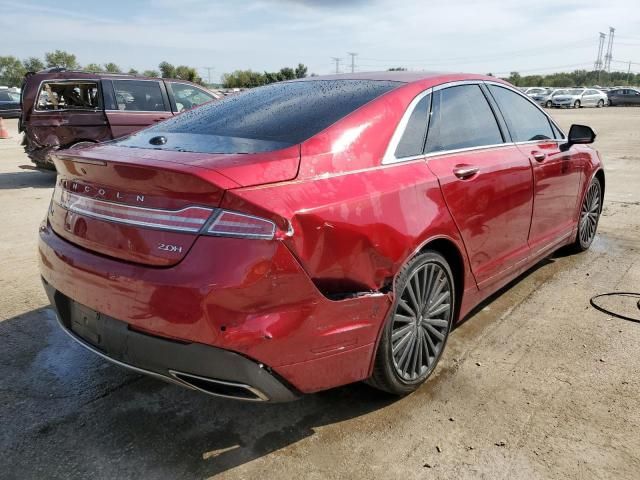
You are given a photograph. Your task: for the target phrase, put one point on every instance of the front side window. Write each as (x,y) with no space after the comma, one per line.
(189,96)
(525,121)
(68,95)
(138,96)
(461,118)
(412,141)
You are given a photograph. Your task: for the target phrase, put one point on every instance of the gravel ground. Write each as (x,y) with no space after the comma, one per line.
(536,384)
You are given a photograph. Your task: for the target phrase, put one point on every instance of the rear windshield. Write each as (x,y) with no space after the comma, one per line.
(262,119)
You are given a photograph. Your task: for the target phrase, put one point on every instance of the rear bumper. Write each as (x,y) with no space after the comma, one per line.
(247,299)
(208,369)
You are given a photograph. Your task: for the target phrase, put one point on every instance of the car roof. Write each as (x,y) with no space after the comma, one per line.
(401,76)
(62,74)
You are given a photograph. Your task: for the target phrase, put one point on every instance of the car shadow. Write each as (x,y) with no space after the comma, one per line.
(29,177)
(67,414)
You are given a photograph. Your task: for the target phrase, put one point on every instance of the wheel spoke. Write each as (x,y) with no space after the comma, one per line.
(412,297)
(407,308)
(434,332)
(436,322)
(398,317)
(399,333)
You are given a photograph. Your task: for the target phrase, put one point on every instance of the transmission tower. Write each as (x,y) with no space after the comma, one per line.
(353,61)
(609,55)
(337,60)
(597,66)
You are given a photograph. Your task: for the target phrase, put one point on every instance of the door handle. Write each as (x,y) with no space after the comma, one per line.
(465,171)
(538,156)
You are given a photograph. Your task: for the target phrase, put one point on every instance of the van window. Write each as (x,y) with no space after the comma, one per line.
(139,96)
(188,96)
(69,95)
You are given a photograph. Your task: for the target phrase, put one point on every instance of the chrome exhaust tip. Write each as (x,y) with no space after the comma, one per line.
(220,388)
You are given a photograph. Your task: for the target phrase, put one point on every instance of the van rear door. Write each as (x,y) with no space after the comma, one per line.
(132,104)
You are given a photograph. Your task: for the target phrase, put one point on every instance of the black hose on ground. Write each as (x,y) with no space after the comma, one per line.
(614,314)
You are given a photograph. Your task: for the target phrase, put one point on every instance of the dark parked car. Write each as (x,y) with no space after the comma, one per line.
(624,96)
(63,109)
(312,233)
(9,104)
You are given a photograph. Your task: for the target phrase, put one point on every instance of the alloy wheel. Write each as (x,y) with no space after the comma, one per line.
(589,214)
(421,321)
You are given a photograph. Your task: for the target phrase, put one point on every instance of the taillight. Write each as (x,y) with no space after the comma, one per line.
(234,224)
(210,221)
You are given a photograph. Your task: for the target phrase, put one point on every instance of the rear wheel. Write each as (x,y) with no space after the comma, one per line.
(548,104)
(600,103)
(418,325)
(589,217)
(576,104)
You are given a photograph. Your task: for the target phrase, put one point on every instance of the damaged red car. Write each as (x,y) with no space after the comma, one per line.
(312,233)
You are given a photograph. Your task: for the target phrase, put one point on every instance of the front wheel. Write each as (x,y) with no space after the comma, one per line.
(589,217)
(416,331)
(548,104)
(576,104)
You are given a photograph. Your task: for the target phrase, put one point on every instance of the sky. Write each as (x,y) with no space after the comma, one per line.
(539,36)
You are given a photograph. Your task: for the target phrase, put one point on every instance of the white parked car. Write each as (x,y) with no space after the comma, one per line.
(580,97)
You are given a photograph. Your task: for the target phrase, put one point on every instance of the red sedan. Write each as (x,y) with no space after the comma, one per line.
(312,233)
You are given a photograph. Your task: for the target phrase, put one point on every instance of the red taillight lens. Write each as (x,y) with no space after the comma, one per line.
(189,219)
(233,224)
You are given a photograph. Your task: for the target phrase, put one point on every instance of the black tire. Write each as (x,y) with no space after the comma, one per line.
(576,104)
(590,211)
(411,345)
(600,103)
(548,104)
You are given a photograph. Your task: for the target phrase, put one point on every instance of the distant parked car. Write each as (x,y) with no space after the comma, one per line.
(580,97)
(535,91)
(545,99)
(63,109)
(624,96)
(9,104)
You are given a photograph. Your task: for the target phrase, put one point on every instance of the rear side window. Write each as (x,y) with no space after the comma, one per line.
(138,96)
(461,118)
(524,120)
(68,95)
(412,141)
(264,118)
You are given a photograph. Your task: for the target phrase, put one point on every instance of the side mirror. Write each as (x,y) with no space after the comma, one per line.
(578,134)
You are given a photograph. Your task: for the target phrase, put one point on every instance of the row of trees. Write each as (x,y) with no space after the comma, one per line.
(575,78)
(249,78)
(12,69)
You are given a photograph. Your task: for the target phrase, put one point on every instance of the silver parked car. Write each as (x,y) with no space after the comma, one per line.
(580,97)
(545,98)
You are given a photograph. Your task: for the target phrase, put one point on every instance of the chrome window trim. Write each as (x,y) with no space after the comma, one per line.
(67,80)
(140,111)
(467,149)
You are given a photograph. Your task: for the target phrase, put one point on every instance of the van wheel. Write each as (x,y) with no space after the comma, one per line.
(416,331)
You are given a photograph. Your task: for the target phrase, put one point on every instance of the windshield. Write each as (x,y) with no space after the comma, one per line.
(6,96)
(263,119)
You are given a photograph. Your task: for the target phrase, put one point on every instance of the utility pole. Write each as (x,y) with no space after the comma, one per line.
(609,55)
(208,69)
(629,73)
(337,60)
(353,61)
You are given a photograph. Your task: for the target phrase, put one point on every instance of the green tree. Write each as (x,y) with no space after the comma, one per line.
(151,73)
(301,70)
(111,67)
(63,59)
(11,71)
(287,73)
(243,79)
(187,73)
(33,64)
(93,67)
(133,71)
(167,70)
(514,78)
(397,69)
